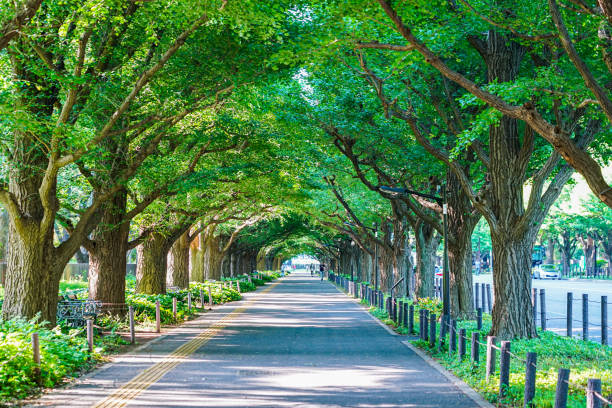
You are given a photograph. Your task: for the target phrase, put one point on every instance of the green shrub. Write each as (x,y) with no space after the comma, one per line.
(62,354)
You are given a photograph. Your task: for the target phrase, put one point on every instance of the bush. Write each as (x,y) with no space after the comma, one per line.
(62,354)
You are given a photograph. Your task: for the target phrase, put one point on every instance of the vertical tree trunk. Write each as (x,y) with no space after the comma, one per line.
(178,263)
(196,261)
(33,268)
(426,243)
(512,313)
(461,224)
(212,257)
(550,251)
(107,255)
(152,265)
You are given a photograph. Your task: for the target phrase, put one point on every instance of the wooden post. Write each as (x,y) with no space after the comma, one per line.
(405,314)
(157,317)
(426,325)
(400,313)
(490,356)
(432,330)
(443,327)
(542,309)
(36,356)
(174,307)
(479,318)
(593,388)
(570,300)
(411,319)
(504,369)
(238,287)
(189,301)
(132,331)
(562,388)
(210,298)
(201,298)
(475,347)
(604,320)
(35,349)
(530,379)
(421,324)
(490,304)
(453,337)
(534,302)
(482,296)
(90,335)
(476,294)
(462,336)
(585,316)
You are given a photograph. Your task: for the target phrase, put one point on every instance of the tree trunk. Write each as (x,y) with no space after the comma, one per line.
(33,268)
(567,248)
(108,255)
(178,263)
(550,251)
(212,257)
(32,276)
(461,224)
(512,313)
(196,261)
(588,248)
(426,243)
(152,265)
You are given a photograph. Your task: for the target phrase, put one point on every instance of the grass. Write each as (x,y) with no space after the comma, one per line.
(585,360)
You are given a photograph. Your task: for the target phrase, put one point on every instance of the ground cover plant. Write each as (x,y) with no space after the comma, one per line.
(63,352)
(584,359)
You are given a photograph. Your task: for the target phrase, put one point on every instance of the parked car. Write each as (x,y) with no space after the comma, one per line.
(546,271)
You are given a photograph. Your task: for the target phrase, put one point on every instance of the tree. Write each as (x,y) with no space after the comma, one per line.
(82,75)
(558,132)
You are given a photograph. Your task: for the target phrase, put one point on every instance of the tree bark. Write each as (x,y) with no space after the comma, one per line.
(152,265)
(196,254)
(588,248)
(462,220)
(33,269)
(512,313)
(108,248)
(212,256)
(178,263)
(426,243)
(550,251)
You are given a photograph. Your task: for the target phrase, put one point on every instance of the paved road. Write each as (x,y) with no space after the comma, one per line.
(300,344)
(556,304)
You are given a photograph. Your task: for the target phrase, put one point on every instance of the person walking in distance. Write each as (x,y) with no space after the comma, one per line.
(322,271)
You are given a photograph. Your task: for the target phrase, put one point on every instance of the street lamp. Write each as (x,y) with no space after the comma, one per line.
(445,273)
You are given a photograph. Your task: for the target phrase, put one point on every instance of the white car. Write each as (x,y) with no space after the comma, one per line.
(546,271)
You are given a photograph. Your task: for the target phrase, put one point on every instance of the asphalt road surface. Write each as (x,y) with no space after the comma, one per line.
(296,343)
(556,304)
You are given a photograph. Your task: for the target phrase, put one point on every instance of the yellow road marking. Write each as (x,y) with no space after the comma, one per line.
(123,395)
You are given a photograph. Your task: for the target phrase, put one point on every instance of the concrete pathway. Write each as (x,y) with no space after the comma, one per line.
(295,343)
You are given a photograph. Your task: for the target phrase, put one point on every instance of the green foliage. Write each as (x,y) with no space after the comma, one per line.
(585,360)
(62,354)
